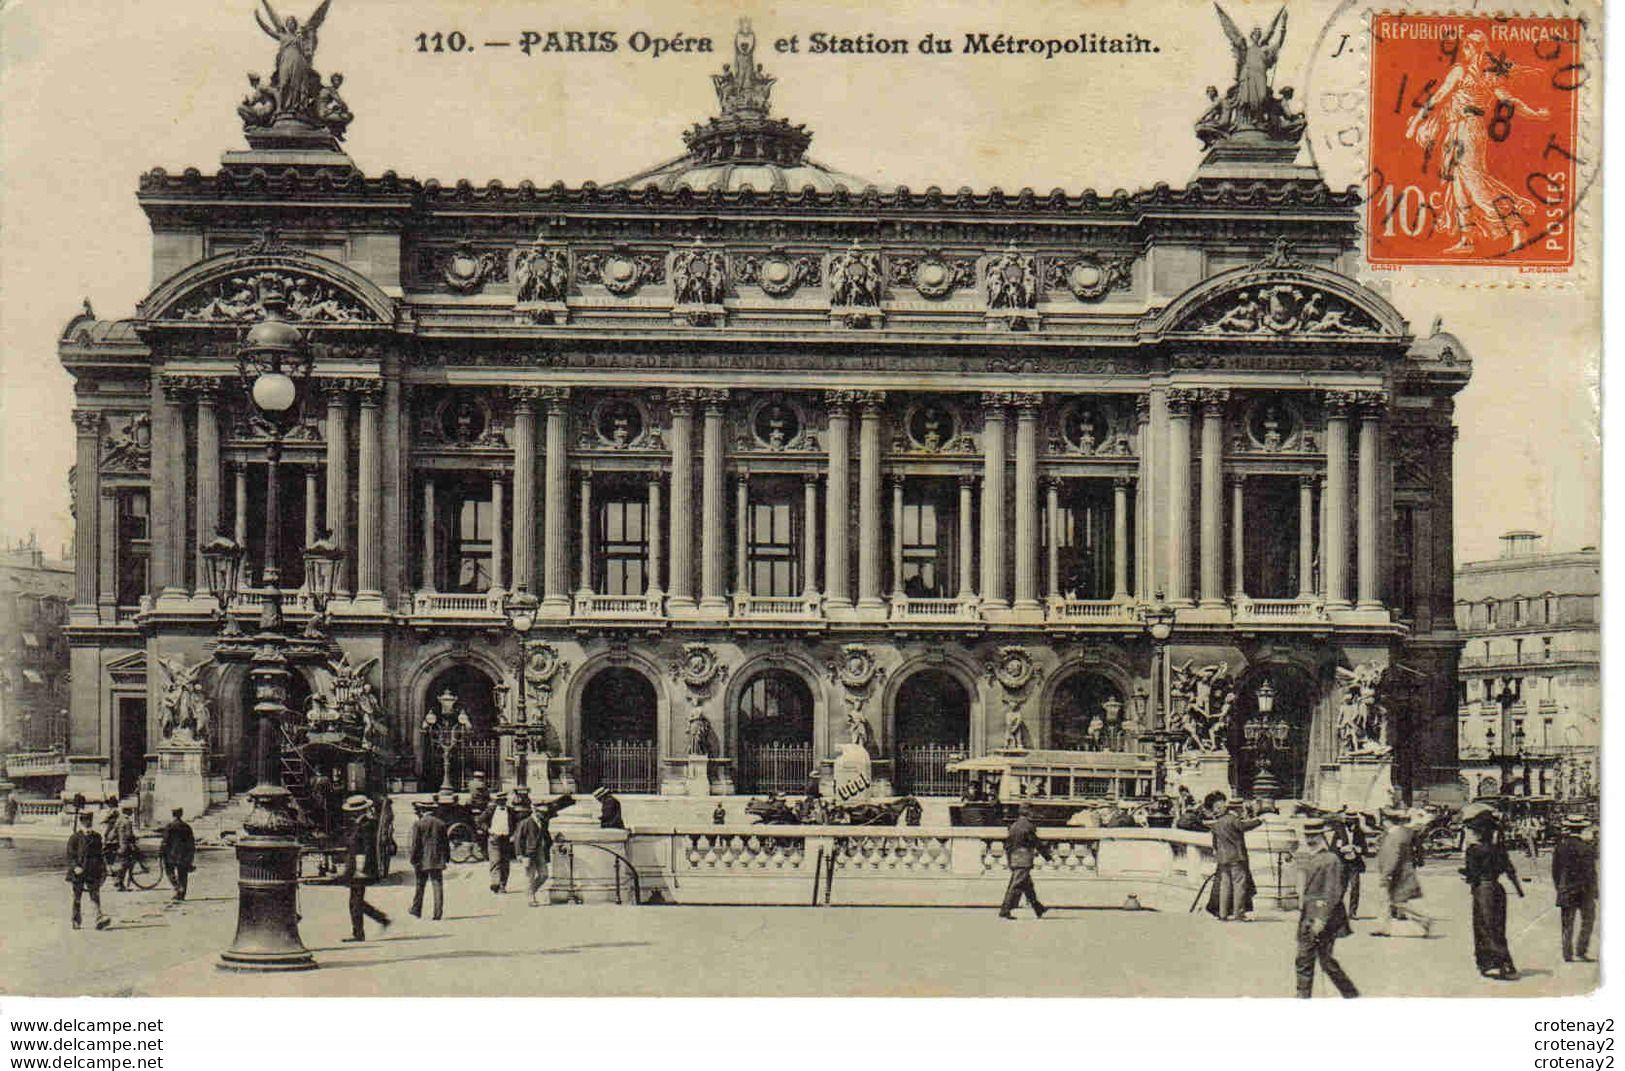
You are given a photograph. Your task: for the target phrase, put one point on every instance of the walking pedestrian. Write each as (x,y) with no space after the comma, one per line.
(1396,872)
(430,851)
(1322,918)
(499,821)
(125,846)
(178,850)
(533,842)
(1574,876)
(1232,896)
(609,817)
(1486,861)
(87,868)
(1021,847)
(1348,843)
(361,865)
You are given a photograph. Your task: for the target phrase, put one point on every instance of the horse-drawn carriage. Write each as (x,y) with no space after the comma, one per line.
(776,810)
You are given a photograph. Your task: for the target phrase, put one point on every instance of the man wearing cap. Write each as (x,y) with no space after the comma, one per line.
(361,865)
(609,816)
(533,841)
(1021,846)
(87,868)
(1574,876)
(1233,880)
(1322,918)
(431,850)
(178,850)
(1347,840)
(124,845)
(1396,871)
(499,821)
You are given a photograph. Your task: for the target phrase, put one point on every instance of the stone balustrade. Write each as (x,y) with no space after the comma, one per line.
(1163,869)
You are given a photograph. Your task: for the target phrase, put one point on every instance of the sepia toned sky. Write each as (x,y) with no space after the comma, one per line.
(95,94)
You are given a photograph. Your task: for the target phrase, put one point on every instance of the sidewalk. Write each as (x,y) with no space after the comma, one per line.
(496,945)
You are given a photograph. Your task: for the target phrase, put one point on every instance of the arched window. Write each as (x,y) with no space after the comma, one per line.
(774,713)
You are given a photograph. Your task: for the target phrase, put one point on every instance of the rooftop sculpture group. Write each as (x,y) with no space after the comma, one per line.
(296,103)
(1252,104)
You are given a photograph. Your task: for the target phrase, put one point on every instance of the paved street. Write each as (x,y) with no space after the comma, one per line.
(490,945)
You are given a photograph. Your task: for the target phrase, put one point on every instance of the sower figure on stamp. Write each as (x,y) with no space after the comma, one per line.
(1322,918)
(1021,847)
(1574,877)
(87,868)
(430,852)
(178,851)
(361,865)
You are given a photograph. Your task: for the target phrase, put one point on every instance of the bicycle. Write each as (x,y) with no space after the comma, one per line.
(143,876)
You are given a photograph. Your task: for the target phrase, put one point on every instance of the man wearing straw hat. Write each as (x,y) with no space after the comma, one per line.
(361,865)
(1322,916)
(609,815)
(431,850)
(1574,876)
(1396,872)
(533,841)
(500,821)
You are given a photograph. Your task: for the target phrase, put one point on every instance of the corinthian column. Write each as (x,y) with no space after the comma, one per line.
(556,505)
(714,535)
(369,576)
(169,488)
(837,532)
(87,539)
(313,500)
(1213,403)
(1052,534)
(1370,588)
(1238,542)
(1144,557)
(338,473)
(809,538)
(742,535)
(1120,538)
(895,482)
(498,533)
(967,539)
(1027,501)
(681,400)
(1334,534)
(1306,538)
(584,581)
(993,518)
(869,501)
(524,486)
(207,393)
(653,528)
(1179,495)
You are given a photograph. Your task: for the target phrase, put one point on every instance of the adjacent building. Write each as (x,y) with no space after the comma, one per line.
(746,458)
(1531,688)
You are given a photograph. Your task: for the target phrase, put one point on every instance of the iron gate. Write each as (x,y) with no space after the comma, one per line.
(779,768)
(922,769)
(621,766)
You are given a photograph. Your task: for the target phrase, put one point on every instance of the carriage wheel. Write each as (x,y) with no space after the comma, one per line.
(464,849)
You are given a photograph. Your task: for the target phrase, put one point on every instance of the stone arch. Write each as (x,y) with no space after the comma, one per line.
(1185,313)
(965,674)
(1301,696)
(421,677)
(758,664)
(592,667)
(1105,662)
(372,307)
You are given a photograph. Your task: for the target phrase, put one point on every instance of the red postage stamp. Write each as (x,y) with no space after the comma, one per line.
(1474,122)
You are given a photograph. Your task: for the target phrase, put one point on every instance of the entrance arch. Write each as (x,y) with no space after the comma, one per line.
(931,719)
(774,716)
(1079,699)
(1295,700)
(463,689)
(620,720)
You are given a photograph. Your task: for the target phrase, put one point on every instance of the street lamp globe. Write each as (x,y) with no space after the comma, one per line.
(274,392)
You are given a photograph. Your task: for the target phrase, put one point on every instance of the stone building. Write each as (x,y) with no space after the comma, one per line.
(34,595)
(1531,687)
(748,458)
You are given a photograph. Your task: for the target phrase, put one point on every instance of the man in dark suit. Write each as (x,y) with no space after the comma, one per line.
(1348,843)
(1233,879)
(125,846)
(1574,878)
(1322,918)
(1021,848)
(178,851)
(361,865)
(499,822)
(87,869)
(533,842)
(431,850)
(609,817)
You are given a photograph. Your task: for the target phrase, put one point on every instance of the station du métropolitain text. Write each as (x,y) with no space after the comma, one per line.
(819,43)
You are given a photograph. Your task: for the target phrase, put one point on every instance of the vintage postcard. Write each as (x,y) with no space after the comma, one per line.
(800,500)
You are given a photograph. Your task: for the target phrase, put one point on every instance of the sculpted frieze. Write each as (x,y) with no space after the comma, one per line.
(778,272)
(241,299)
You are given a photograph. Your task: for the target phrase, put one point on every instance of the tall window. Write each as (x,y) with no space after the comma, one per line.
(471,545)
(1404,537)
(773,544)
(134,546)
(1085,545)
(623,544)
(930,535)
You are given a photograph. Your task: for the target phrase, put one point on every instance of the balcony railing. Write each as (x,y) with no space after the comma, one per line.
(617,606)
(253,600)
(36,764)
(458,604)
(906,608)
(782,607)
(1280,610)
(1093,610)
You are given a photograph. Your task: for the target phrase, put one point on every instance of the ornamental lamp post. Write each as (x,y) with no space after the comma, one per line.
(1506,698)
(1159,625)
(323,559)
(446,732)
(1266,735)
(274,364)
(222,566)
(1113,707)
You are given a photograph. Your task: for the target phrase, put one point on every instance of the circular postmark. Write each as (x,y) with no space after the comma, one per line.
(1469,135)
